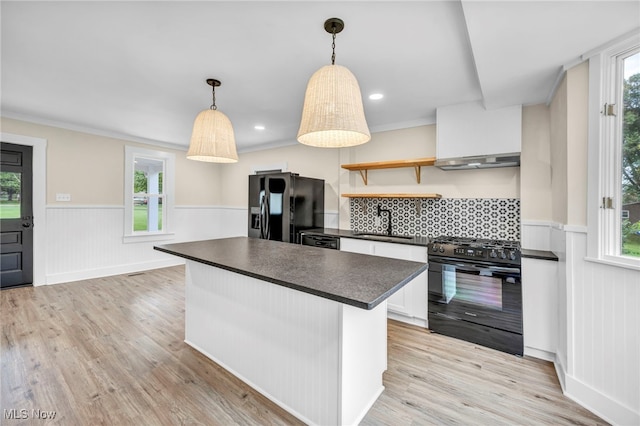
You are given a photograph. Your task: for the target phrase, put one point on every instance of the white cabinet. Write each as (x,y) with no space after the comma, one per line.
(356,246)
(540,307)
(409,304)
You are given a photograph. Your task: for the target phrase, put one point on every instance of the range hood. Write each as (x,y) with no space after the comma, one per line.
(479,162)
(470,136)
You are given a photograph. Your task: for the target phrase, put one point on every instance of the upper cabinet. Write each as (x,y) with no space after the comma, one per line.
(470,130)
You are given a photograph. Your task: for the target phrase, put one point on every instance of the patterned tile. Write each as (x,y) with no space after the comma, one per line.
(497,218)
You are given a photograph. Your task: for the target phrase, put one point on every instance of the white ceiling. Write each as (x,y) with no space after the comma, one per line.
(138,69)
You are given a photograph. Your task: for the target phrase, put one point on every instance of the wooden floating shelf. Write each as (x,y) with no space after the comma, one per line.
(416,163)
(392,195)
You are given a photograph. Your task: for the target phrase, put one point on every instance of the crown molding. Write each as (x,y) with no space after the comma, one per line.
(90,130)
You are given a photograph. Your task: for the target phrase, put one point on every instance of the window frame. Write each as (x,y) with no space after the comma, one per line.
(168,191)
(604,236)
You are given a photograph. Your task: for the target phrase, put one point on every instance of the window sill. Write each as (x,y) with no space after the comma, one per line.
(149,237)
(618,262)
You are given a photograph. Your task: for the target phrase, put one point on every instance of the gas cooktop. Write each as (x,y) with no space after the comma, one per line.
(498,251)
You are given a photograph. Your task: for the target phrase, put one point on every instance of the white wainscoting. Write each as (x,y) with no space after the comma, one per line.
(536,235)
(602,369)
(87,242)
(598,338)
(84,242)
(318,359)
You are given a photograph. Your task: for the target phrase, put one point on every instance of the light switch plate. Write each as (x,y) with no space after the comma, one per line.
(63,197)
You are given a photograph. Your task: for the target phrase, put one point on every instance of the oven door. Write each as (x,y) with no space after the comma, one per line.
(476,292)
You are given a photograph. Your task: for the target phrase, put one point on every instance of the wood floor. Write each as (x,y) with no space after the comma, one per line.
(110,351)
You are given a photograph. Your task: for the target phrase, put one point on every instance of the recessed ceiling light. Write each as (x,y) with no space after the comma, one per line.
(258,127)
(376,96)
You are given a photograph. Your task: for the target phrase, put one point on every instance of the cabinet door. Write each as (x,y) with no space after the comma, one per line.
(356,246)
(539,307)
(400,301)
(411,300)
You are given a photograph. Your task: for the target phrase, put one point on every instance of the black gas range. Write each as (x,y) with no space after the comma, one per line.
(475,291)
(497,251)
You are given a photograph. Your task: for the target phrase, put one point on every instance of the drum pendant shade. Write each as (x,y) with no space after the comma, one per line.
(212,138)
(333,114)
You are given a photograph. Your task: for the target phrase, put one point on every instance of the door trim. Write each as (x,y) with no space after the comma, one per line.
(39,201)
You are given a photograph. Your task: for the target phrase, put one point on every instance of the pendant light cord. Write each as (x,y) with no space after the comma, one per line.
(213,105)
(333,47)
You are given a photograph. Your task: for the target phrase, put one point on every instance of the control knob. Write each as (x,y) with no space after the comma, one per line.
(441,249)
(493,254)
(434,248)
(512,255)
(503,255)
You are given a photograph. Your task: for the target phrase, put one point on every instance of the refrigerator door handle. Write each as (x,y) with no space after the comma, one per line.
(267,216)
(262,217)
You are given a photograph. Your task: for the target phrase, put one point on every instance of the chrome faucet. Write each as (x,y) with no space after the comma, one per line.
(380,210)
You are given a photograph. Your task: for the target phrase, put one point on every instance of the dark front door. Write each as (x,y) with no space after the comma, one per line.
(16,215)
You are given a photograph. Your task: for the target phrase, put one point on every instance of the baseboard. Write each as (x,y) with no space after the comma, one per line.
(561,372)
(407,320)
(598,403)
(112,270)
(593,400)
(540,354)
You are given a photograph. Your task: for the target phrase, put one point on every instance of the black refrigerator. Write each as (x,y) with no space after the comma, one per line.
(281,205)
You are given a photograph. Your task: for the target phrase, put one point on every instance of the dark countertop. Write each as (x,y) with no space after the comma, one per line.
(414,241)
(355,279)
(539,254)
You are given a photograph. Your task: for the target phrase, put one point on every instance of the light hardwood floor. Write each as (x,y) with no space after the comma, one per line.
(110,351)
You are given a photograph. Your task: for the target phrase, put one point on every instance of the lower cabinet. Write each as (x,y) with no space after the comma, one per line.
(409,304)
(540,307)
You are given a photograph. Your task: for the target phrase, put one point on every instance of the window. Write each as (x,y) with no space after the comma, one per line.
(630,155)
(614,230)
(148,194)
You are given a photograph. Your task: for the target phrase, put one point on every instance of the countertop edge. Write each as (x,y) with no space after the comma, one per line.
(304,289)
(538,254)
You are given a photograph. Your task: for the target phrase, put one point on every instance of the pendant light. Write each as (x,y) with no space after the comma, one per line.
(212,139)
(333,115)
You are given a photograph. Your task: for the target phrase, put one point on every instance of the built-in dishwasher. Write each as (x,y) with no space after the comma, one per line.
(323,241)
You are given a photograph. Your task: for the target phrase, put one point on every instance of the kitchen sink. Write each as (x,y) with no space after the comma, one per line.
(382,237)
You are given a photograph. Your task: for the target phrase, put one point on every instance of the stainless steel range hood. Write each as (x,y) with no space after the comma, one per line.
(479,162)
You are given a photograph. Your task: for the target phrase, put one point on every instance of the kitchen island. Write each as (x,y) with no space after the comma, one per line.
(304,326)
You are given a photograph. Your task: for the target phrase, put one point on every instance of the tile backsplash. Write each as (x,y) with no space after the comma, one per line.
(497,218)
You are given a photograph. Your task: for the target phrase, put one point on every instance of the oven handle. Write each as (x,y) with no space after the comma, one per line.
(476,268)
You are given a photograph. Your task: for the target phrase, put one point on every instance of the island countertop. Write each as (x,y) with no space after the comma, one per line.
(359,280)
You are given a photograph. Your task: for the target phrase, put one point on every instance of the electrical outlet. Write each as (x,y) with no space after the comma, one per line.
(377,221)
(63,197)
